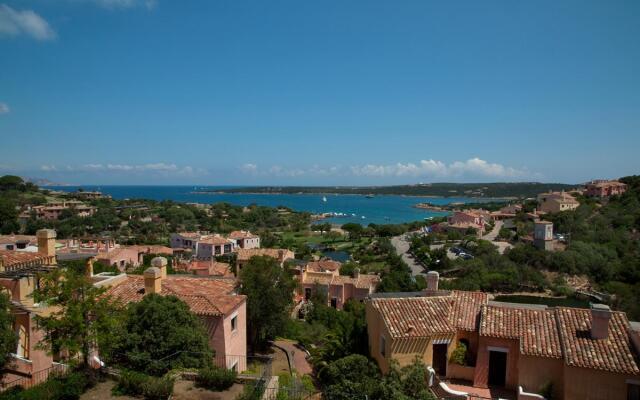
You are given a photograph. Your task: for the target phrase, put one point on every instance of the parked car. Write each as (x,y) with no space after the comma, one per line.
(457,250)
(465,256)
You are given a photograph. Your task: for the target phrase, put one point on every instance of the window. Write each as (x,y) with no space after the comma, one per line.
(383,346)
(234,323)
(23,342)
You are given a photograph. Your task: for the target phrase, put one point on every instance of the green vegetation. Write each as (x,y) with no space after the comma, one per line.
(602,244)
(268,288)
(496,190)
(81,316)
(356,377)
(158,334)
(215,378)
(137,384)
(63,387)
(8,337)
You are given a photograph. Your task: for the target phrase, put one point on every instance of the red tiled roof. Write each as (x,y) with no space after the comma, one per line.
(11,258)
(203,296)
(278,254)
(613,354)
(536,329)
(214,268)
(152,249)
(437,312)
(466,310)
(323,265)
(242,235)
(215,240)
(416,316)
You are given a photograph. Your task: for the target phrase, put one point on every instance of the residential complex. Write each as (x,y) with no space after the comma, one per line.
(578,353)
(604,188)
(205,245)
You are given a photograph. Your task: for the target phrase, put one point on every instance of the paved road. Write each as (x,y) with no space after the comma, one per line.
(297,356)
(402,249)
(491,236)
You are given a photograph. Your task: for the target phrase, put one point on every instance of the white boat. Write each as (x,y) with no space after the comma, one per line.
(363,217)
(324,199)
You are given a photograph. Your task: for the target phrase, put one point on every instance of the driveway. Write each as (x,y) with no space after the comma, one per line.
(298,357)
(491,236)
(401,245)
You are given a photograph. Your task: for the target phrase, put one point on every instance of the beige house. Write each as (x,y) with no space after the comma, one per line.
(518,349)
(244,255)
(245,239)
(554,202)
(339,288)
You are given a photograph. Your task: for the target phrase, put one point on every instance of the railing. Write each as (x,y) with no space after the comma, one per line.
(36,378)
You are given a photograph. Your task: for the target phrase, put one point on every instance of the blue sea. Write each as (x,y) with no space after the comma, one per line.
(383,209)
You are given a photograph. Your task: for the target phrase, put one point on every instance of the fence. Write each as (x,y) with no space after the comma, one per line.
(36,378)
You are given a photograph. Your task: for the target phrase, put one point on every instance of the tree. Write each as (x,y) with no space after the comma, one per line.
(333,236)
(8,338)
(354,230)
(160,333)
(82,316)
(269,289)
(351,377)
(8,215)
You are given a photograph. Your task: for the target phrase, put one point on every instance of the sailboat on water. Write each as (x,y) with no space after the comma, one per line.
(324,199)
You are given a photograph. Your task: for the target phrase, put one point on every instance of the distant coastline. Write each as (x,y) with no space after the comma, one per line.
(503,191)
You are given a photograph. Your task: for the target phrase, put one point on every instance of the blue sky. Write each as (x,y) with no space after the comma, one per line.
(318,92)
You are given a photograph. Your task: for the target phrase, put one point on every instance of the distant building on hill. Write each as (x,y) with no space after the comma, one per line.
(554,202)
(604,188)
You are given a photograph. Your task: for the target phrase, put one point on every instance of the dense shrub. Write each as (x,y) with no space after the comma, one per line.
(134,383)
(67,387)
(157,388)
(215,378)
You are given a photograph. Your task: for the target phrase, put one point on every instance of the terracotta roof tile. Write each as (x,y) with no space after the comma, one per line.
(12,258)
(613,354)
(242,235)
(203,296)
(416,316)
(279,254)
(467,309)
(536,329)
(323,265)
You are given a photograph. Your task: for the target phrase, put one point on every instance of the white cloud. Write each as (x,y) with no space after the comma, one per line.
(121,4)
(472,168)
(156,168)
(4,108)
(437,169)
(26,22)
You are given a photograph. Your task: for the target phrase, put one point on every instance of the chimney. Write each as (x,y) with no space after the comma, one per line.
(600,316)
(161,264)
(432,280)
(88,268)
(47,244)
(356,273)
(152,280)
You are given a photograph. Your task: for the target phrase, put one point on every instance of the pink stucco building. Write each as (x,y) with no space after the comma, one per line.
(215,301)
(19,271)
(604,188)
